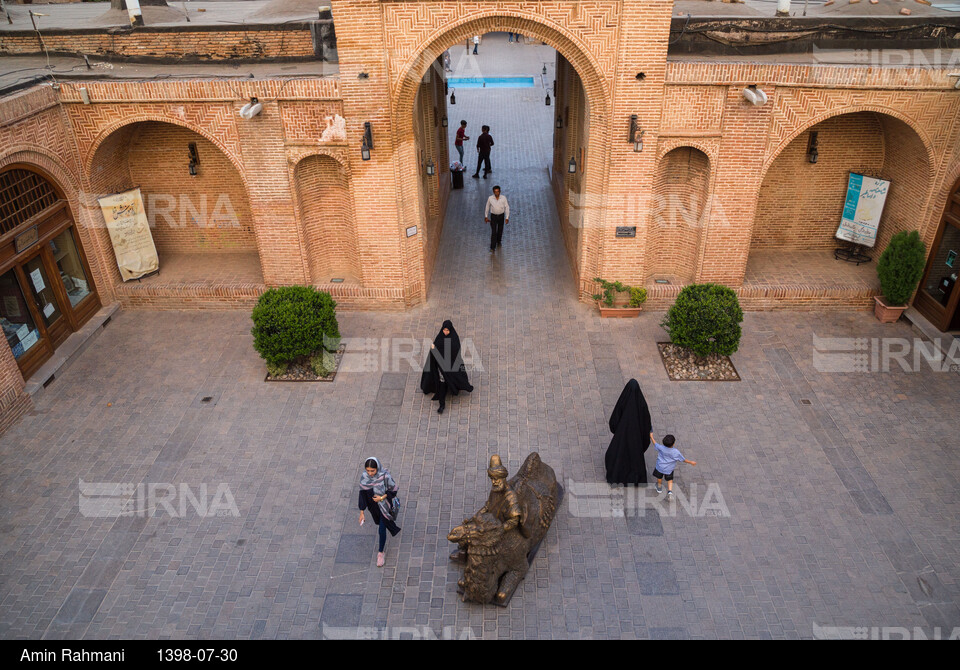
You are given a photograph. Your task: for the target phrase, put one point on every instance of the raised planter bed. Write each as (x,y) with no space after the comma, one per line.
(300,371)
(682,365)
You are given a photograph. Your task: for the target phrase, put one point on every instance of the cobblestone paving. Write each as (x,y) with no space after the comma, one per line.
(837,492)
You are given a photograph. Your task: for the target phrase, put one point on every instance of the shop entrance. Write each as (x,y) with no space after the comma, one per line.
(46,290)
(939,296)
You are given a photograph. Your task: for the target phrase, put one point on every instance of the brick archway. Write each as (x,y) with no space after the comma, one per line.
(110,129)
(595,84)
(499,20)
(850,109)
(57,172)
(868,139)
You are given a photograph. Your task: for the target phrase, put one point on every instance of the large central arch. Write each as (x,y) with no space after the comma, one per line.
(596,87)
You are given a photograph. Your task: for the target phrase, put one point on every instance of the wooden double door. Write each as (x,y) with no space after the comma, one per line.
(46,294)
(939,296)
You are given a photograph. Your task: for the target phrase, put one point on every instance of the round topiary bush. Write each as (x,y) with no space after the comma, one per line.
(901,266)
(705,319)
(293,321)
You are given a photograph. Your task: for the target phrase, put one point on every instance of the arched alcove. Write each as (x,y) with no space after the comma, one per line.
(677,215)
(327,216)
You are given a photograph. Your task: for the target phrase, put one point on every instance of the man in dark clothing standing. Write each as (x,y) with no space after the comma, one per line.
(484,142)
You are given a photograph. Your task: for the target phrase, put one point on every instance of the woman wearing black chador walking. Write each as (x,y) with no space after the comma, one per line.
(630,425)
(444,370)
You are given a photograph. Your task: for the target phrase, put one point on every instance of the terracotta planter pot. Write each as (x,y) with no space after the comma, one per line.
(885,313)
(618,312)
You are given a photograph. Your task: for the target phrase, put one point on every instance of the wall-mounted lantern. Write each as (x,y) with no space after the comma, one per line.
(430,168)
(812,153)
(453,97)
(194,158)
(443,122)
(572,166)
(559,122)
(548,98)
(636,134)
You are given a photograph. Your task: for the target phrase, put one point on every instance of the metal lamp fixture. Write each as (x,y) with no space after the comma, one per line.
(812,153)
(194,158)
(453,97)
(559,122)
(251,109)
(431,170)
(548,98)
(367,143)
(572,166)
(443,122)
(544,68)
(636,134)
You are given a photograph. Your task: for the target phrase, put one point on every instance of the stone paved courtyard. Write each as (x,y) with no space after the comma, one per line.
(834,499)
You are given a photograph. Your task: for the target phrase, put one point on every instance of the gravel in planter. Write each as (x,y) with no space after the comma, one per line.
(300,370)
(682,365)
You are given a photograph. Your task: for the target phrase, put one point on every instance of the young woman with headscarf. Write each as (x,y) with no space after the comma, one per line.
(377,492)
(630,425)
(444,370)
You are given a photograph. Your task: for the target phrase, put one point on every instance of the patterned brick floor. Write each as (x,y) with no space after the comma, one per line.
(207,269)
(839,490)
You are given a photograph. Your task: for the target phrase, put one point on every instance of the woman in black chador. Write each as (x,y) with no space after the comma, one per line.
(630,425)
(444,370)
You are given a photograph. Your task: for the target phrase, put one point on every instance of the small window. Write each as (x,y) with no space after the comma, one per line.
(23,195)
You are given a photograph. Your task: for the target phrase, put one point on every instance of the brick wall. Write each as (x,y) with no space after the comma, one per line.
(326,214)
(907,166)
(183,44)
(208,213)
(676,214)
(800,202)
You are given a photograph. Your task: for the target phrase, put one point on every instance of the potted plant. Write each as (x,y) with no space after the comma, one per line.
(619,300)
(899,269)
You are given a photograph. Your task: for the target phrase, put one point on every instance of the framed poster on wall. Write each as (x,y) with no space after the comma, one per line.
(862,209)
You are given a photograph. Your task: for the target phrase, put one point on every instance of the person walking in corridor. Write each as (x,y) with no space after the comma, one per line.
(484,144)
(476,43)
(496,213)
(461,136)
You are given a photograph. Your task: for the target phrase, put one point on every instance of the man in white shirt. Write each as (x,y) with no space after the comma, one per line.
(496,213)
(476,43)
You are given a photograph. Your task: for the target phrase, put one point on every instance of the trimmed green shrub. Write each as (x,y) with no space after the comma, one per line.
(901,266)
(705,319)
(293,321)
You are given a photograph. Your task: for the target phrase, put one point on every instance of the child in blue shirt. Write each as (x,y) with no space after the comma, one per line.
(668,457)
